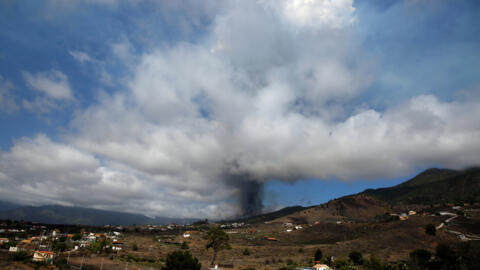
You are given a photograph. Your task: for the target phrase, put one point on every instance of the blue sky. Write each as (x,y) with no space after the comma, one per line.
(153,106)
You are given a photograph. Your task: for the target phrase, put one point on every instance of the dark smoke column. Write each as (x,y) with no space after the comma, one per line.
(251,193)
(251,198)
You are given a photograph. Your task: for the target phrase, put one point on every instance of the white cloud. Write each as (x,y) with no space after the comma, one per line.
(52,83)
(257,99)
(7,100)
(81,57)
(320,13)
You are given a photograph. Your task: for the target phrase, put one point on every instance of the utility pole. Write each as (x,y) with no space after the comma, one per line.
(68,257)
(81,264)
(101,264)
(126,266)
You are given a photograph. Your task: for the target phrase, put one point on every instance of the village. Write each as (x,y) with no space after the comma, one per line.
(284,242)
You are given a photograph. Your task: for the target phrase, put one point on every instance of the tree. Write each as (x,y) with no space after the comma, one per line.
(318,255)
(184,245)
(181,260)
(97,246)
(356,257)
(246,252)
(76,237)
(62,239)
(430,229)
(217,240)
(60,246)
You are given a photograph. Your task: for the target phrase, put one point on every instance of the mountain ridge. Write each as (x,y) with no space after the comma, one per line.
(56,214)
(433,186)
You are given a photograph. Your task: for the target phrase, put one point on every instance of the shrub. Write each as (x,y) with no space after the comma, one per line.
(430,229)
(356,257)
(340,263)
(134,246)
(446,256)
(420,258)
(373,264)
(9,244)
(61,263)
(60,246)
(21,256)
(246,252)
(327,260)
(184,245)
(181,260)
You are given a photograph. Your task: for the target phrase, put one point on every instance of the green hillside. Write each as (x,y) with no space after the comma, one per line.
(433,186)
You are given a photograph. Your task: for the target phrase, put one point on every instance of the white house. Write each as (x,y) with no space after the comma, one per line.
(43,256)
(321,267)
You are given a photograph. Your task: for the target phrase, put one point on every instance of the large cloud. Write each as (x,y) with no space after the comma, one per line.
(267,94)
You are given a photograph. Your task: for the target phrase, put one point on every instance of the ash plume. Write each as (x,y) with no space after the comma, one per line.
(251,198)
(250,193)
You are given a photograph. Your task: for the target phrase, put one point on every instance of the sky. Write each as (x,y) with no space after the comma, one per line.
(215,109)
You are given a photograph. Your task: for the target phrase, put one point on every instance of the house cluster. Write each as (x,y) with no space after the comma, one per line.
(289,227)
(233,225)
(39,240)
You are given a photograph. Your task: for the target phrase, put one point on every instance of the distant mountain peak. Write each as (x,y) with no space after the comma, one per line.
(433,186)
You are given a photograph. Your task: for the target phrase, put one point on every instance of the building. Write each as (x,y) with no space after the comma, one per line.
(321,267)
(43,256)
(27,241)
(117,245)
(3,240)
